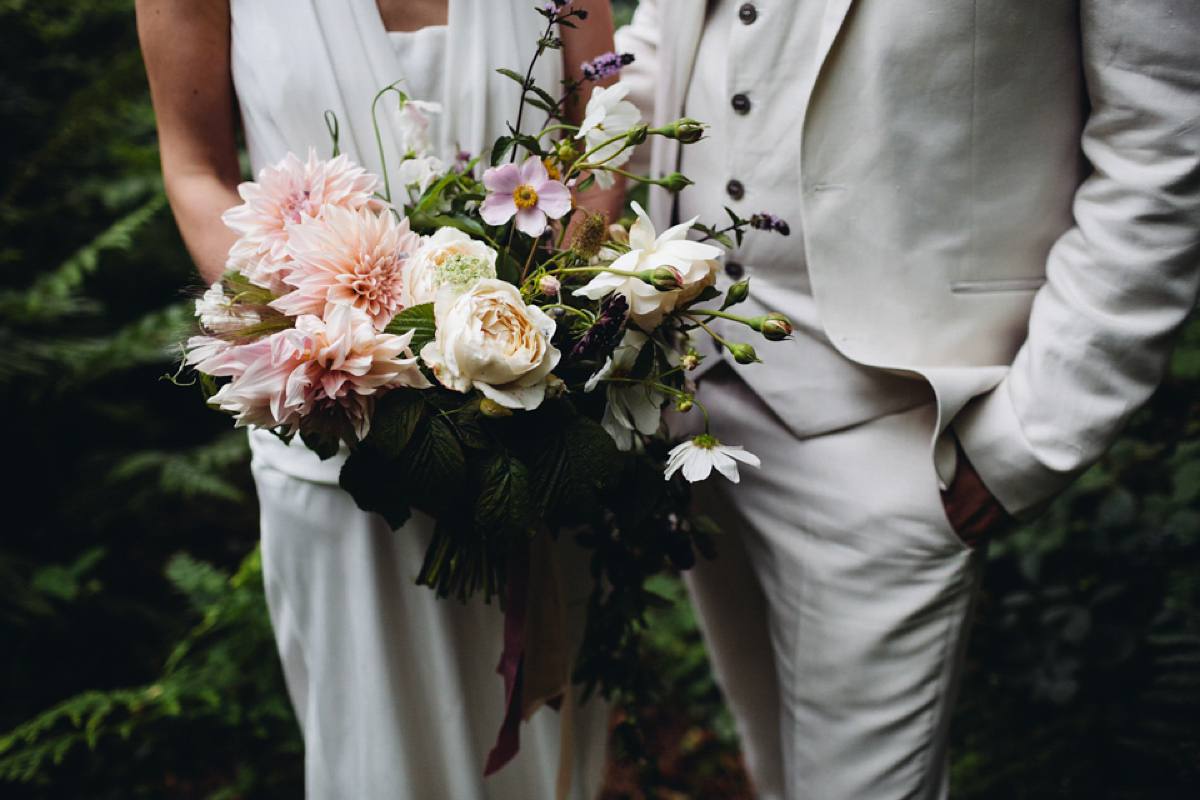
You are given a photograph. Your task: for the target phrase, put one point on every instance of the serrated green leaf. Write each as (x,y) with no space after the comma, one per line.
(516,76)
(433,465)
(396,415)
(570,458)
(418,319)
(501,148)
(376,484)
(503,509)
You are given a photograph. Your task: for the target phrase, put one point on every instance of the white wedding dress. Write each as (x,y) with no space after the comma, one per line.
(396,691)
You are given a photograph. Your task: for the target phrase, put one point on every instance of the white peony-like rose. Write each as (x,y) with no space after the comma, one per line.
(488,339)
(695,263)
(439,258)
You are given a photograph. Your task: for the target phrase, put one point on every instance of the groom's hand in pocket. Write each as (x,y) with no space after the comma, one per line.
(973,511)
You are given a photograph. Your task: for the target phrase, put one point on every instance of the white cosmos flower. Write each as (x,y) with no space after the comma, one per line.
(694,261)
(630,407)
(218,314)
(608,114)
(412,127)
(699,456)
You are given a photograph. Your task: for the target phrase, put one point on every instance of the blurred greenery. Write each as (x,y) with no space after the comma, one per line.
(137,655)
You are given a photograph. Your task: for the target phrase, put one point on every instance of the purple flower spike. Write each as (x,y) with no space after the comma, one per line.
(770,222)
(606,66)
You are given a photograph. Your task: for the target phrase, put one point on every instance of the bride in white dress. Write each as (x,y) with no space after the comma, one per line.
(395,691)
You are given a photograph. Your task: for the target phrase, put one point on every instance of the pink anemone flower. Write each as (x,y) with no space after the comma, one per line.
(526,192)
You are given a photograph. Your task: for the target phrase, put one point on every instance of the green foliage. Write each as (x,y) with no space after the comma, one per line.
(204,685)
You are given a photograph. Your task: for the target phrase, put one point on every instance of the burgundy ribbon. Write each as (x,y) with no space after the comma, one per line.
(512,661)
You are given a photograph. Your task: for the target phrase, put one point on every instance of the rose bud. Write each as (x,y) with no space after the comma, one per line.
(685,130)
(636,135)
(776,327)
(737,293)
(490,408)
(665,279)
(550,285)
(675,182)
(743,353)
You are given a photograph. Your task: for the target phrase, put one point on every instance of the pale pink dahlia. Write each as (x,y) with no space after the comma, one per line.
(285,193)
(322,374)
(356,258)
(526,192)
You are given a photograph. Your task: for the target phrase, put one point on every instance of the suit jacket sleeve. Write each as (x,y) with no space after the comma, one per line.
(1123,279)
(640,37)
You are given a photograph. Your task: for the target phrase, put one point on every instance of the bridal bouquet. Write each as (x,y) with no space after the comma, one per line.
(486,351)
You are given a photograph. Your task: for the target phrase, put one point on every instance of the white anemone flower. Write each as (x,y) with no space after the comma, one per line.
(698,457)
(694,261)
(630,407)
(608,114)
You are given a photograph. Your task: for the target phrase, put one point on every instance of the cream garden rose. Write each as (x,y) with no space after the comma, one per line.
(438,256)
(488,339)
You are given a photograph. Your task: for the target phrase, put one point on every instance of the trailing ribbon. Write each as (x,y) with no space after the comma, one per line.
(536,661)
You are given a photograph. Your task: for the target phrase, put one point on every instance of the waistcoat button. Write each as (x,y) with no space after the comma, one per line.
(747,14)
(735,270)
(740,103)
(735,189)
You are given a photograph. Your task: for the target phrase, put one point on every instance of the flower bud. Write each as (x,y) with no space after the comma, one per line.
(490,408)
(636,135)
(674,182)
(665,279)
(737,293)
(566,151)
(774,326)
(690,360)
(684,403)
(550,285)
(743,353)
(685,130)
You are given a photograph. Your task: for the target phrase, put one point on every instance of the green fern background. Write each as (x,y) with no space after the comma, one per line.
(135,652)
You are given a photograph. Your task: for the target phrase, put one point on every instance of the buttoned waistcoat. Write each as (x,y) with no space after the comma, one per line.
(1001,196)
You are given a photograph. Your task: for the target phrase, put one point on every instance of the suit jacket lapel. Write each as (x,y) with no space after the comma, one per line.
(831,25)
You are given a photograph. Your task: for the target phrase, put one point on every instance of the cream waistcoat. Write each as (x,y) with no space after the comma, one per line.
(999,196)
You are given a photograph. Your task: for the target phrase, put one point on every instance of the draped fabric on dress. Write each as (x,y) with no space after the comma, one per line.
(395,690)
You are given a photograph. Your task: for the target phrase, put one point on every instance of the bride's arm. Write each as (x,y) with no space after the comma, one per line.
(592,38)
(186,47)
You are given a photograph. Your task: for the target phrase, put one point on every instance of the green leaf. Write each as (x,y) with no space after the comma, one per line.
(396,416)
(433,466)
(571,458)
(323,444)
(516,76)
(418,319)
(503,509)
(587,182)
(376,484)
(501,148)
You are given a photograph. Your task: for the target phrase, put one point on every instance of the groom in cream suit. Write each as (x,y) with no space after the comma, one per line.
(995,213)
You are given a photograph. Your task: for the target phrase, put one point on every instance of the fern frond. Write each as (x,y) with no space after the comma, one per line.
(48,297)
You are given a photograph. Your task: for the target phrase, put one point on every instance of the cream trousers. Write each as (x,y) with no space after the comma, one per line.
(837,613)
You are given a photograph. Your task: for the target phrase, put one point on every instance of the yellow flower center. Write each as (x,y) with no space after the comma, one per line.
(551,170)
(525,197)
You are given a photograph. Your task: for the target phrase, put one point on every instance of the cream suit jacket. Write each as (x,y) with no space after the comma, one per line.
(1002,196)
